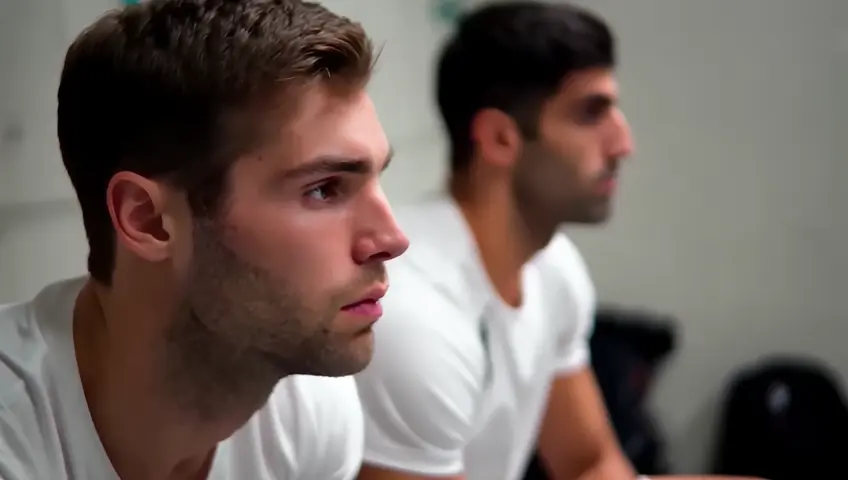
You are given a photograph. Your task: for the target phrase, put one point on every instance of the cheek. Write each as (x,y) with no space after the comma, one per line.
(309,247)
(584,152)
(572,144)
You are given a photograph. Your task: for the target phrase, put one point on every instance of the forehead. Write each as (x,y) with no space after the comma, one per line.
(594,82)
(333,124)
(325,124)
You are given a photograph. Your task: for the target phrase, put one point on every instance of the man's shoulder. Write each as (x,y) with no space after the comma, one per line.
(22,444)
(22,356)
(432,324)
(28,331)
(27,327)
(324,396)
(24,403)
(438,282)
(312,410)
(440,242)
(36,360)
(314,426)
(563,266)
(21,341)
(563,253)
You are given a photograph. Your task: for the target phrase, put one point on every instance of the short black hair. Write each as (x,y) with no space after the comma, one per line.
(512,56)
(178,89)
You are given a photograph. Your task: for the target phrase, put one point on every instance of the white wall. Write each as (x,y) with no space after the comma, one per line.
(729,216)
(41,236)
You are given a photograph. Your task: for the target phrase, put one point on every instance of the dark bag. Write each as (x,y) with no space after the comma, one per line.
(628,349)
(784,419)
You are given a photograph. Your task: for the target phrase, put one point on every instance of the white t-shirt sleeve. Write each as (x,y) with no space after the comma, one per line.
(420,391)
(577,317)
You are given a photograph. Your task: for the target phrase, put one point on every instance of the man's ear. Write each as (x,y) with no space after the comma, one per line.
(496,137)
(137,208)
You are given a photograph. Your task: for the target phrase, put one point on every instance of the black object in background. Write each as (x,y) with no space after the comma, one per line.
(784,419)
(628,347)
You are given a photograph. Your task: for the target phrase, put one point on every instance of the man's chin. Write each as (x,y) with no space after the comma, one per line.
(348,357)
(597,215)
(360,352)
(598,220)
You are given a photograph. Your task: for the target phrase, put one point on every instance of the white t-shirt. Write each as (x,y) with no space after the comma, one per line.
(459,381)
(310,429)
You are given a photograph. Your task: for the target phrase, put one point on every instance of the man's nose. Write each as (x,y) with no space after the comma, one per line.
(381,238)
(621,137)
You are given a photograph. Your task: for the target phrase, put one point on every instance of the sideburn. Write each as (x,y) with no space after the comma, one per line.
(539,189)
(210,360)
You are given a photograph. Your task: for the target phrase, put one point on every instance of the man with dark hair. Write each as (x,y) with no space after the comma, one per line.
(226,159)
(483,354)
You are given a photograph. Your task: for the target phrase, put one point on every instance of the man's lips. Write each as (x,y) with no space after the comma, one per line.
(365,308)
(607,186)
(369,304)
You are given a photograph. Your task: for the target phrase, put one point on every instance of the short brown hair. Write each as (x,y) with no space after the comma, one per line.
(178,89)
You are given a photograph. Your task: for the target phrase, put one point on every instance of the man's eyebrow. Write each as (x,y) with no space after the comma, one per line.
(598,100)
(335,164)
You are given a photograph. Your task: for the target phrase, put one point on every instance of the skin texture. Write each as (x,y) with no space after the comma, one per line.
(207,312)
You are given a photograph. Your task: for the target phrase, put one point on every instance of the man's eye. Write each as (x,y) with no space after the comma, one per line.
(324,192)
(594,111)
(594,114)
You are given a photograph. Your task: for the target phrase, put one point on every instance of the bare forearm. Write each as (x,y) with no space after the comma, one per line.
(612,467)
(607,466)
(593,475)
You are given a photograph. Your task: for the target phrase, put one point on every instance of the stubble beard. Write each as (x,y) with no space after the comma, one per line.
(541,188)
(237,334)
(539,213)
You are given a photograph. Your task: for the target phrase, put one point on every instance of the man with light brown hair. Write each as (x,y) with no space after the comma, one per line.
(226,159)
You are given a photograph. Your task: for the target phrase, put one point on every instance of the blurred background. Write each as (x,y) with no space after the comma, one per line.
(730,217)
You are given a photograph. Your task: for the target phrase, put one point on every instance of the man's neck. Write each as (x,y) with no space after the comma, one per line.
(504,238)
(147,432)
